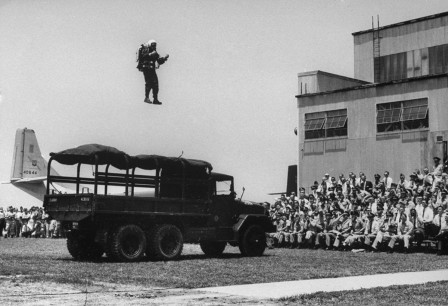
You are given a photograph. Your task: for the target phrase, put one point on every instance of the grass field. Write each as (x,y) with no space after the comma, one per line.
(49,259)
(426,294)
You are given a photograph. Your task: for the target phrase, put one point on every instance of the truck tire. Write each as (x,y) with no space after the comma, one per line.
(252,241)
(84,249)
(165,242)
(213,248)
(127,243)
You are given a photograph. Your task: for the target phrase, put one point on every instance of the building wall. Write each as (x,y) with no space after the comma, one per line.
(400,38)
(363,149)
(320,81)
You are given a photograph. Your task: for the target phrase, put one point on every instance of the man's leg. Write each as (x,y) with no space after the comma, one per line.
(146,74)
(155,88)
(419,235)
(406,240)
(392,241)
(328,239)
(378,239)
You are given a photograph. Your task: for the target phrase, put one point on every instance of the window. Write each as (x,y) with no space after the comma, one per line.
(413,63)
(326,124)
(405,115)
(391,67)
(438,59)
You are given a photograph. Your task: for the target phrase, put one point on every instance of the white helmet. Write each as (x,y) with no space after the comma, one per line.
(150,42)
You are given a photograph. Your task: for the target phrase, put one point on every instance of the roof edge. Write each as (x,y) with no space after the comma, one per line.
(316,72)
(402,23)
(369,85)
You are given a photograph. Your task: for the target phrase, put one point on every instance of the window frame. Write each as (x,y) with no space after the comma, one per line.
(404,123)
(330,126)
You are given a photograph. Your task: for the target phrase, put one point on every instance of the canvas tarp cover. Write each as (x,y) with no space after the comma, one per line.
(150,162)
(85,154)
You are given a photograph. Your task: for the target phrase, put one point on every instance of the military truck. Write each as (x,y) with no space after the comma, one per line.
(162,203)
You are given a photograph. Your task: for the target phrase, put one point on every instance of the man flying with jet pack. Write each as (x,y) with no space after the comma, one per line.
(148,61)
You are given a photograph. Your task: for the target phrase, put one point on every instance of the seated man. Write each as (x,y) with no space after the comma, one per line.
(356,232)
(404,231)
(387,230)
(437,221)
(330,230)
(299,229)
(426,216)
(342,230)
(418,232)
(313,228)
(442,236)
(327,226)
(372,227)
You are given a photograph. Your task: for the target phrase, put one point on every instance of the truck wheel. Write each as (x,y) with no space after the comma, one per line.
(84,249)
(213,248)
(252,241)
(127,243)
(77,248)
(165,242)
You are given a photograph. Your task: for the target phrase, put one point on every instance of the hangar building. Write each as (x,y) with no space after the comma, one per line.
(392,116)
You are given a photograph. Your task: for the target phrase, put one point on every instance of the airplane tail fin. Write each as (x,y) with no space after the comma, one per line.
(28,165)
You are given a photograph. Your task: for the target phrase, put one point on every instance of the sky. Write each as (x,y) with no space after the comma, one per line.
(68,71)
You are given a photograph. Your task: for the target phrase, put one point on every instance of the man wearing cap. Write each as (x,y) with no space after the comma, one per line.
(148,61)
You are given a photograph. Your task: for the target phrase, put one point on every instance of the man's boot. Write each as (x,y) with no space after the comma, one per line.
(156,101)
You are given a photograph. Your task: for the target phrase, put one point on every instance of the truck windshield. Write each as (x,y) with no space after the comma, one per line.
(224,187)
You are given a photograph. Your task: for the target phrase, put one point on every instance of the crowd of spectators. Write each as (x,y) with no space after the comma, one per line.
(356,214)
(23,222)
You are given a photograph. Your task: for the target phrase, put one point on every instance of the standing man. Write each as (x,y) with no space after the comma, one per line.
(148,61)
(387,181)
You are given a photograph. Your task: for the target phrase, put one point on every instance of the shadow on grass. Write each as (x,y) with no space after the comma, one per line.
(146,259)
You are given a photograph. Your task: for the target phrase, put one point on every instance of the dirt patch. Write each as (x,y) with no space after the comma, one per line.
(19,290)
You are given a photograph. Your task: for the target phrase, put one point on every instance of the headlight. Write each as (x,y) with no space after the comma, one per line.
(75,225)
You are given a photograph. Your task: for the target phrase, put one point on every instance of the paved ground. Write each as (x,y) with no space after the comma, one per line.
(292,288)
(17,291)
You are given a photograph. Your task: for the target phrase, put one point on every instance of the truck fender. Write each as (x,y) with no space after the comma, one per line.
(245,220)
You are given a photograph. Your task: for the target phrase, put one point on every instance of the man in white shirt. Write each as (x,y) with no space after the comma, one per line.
(387,180)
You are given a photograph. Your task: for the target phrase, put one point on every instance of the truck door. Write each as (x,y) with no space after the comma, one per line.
(223,204)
